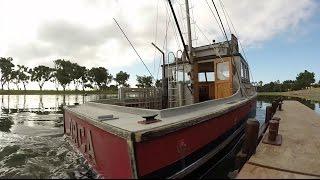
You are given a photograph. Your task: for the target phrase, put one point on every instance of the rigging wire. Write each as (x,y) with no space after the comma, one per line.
(220,21)
(225,17)
(239,77)
(215,18)
(178,27)
(234,29)
(183,25)
(133,48)
(155,39)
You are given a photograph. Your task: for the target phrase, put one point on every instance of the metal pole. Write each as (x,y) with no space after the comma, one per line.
(164,82)
(189,30)
(194,69)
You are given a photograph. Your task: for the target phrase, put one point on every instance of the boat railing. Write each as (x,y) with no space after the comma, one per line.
(148,98)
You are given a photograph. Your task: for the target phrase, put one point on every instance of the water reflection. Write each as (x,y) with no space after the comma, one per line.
(311,104)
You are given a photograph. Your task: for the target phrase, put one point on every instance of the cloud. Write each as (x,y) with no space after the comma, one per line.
(84,30)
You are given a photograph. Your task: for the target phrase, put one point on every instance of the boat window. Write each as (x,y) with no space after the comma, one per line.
(244,71)
(206,77)
(202,77)
(210,76)
(223,71)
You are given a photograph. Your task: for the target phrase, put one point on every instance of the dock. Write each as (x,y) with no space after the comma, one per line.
(299,154)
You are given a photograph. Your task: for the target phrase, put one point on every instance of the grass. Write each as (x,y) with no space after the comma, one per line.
(54,92)
(309,94)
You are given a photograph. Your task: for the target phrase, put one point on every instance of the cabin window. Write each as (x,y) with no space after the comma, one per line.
(202,77)
(223,71)
(244,71)
(210,76)
(206,77)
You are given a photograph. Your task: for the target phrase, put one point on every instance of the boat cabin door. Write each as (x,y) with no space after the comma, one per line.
(223,78)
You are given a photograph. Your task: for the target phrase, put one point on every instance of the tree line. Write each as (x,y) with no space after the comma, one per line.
(63,74)
(303,80)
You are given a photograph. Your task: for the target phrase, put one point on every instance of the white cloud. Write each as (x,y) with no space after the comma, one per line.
(37,31)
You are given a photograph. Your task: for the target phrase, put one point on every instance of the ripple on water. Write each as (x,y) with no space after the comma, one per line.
(41,157)
(5,123)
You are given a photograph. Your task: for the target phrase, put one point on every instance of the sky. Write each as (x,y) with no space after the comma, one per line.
(280,37)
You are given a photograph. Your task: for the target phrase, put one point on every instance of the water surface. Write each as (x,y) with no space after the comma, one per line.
(32,144)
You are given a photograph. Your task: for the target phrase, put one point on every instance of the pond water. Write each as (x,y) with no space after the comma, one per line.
(32,144)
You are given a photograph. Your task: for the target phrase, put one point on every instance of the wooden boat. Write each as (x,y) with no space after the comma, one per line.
(168,132)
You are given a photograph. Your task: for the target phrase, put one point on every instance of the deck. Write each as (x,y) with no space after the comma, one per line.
(299,154)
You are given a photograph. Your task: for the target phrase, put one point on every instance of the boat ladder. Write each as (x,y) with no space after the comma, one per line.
(172,81)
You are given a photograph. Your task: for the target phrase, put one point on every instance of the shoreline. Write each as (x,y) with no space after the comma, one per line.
(308,94)
(53,92)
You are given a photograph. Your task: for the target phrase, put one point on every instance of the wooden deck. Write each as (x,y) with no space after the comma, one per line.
(299,154)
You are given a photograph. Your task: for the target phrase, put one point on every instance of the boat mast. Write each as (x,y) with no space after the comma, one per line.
(189,30)
(194,65)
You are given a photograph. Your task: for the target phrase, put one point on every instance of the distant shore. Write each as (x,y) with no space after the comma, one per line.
(53,92)
(309,94)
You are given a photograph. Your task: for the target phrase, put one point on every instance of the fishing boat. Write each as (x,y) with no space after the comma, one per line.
(169,132)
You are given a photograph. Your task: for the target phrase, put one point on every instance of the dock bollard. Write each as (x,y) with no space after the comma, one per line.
(273,130)
(272,137)
(276,118)
(268,114)
(280,105)
(274,106)
(251,136)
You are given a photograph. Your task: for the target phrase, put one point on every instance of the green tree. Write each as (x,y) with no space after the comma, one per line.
(158,83)
(84,78)
(64,71)
(304,79)
(144,81)
(100,77)
(6,66)
(122,78)
(77,74)
(24,75)
(41,74)
(288,85)
(54,78)
(15,78)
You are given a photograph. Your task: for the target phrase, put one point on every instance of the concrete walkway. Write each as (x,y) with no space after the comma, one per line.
(299,154)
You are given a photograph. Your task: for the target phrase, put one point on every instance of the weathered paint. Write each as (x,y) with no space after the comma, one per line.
(165,150)
(107,153)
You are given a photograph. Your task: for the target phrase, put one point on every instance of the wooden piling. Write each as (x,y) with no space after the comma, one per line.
(268,114)
(251,136)
(299,154)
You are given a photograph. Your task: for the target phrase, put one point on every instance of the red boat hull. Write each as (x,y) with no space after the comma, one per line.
(112,156)
(109,154)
